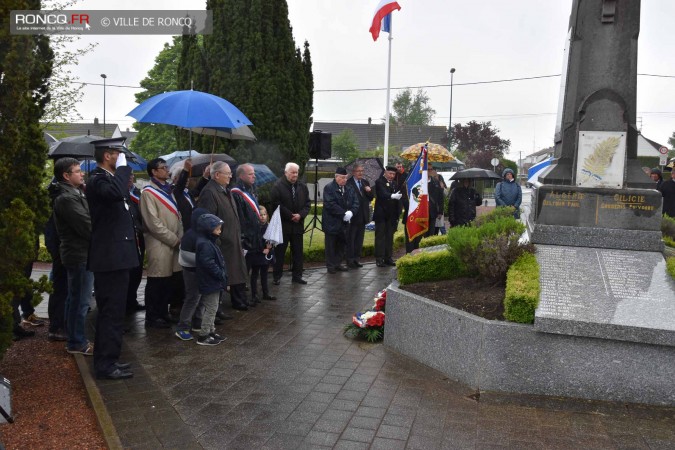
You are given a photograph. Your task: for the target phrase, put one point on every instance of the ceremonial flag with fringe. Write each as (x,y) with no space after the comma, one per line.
(417,223)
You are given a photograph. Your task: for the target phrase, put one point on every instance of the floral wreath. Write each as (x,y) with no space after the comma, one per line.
(369,324)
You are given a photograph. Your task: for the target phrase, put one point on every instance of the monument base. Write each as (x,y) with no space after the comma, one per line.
(628,219)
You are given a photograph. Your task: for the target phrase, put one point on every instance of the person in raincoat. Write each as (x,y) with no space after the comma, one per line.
(508,192)
(462,204)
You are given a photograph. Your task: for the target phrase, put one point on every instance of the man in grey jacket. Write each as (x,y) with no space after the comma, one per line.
(73,224)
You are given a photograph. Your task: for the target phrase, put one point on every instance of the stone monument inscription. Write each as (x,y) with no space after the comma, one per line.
(605,293)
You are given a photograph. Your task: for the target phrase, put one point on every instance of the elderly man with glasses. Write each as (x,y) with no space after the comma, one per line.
(163,231)
(217,199)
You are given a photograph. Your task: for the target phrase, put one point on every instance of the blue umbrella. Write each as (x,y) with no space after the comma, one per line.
(263,175)
(535,170)
(190,109)
(180,155)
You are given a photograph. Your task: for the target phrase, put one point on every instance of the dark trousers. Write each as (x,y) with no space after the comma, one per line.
(56,305)
(355,234)
(111,291)
(262,271)
(135,277)
(384,239)
(295,241)
(157,293)
(335,249)
(238,294)
(25,302)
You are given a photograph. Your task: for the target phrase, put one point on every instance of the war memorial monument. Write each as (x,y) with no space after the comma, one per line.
(605,325)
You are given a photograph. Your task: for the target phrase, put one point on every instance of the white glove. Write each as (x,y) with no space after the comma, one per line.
(348,216)
(121,160)
(396,196)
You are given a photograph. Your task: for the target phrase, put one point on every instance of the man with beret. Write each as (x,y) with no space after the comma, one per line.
(112,253)
(668,191)
(340,203)
(387,210)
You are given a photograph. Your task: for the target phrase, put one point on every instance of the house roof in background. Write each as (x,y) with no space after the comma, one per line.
(370,136)
(61,130)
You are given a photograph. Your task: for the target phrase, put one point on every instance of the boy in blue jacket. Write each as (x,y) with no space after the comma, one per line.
(211,275)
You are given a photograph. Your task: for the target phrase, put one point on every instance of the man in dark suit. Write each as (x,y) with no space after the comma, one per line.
(357,229)
(292,196)
(112,253)
(340,204)
(387,212)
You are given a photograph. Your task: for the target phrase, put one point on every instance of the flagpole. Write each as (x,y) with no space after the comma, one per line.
(386,123)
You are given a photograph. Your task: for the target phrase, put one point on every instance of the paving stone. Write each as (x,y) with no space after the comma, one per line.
(287,378)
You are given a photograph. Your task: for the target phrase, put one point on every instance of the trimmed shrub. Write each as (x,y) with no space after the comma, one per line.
(429,266)
(670,266)
(668,227)
(669,242)
(522,290)
(432,241)
(499,212)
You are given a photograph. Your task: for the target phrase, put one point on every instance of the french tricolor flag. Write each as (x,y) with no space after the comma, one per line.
(384,8)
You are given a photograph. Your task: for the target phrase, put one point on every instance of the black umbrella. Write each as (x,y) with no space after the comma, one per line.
(79,147)
(372,168)
(475,174)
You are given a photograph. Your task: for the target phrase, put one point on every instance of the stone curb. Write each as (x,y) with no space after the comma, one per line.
(104,420)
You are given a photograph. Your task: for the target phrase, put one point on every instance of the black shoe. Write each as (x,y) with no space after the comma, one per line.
(332,270)
(122,366)
(157,323)
(389,262)
(57,336)
(117,374)
(342,269)
(226,317)
(218,321)
(240,307)
(217,337)
(170,319)
(298,281)
(276,281)
(269,297)
(20,333)
(380,263)
(357,264)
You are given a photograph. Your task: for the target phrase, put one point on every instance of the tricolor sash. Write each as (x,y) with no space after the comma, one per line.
(188,198)
(248,198)
(164,198)
(134,198)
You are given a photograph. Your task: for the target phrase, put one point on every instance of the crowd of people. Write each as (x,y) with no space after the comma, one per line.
(203,243)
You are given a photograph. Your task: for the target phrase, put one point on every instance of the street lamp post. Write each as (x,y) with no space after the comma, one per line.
(452,75)
(104,77)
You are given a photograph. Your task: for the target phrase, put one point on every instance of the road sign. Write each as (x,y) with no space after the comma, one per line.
(663,150)
(663,159)
(494,162)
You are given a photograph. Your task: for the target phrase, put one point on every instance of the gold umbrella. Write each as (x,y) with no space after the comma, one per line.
(435,153)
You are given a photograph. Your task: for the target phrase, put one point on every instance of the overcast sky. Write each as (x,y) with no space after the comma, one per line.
(483,40)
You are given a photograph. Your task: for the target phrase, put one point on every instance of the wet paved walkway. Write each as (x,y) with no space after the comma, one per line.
(286,377)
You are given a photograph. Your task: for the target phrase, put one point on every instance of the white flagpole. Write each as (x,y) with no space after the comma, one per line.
(386,123)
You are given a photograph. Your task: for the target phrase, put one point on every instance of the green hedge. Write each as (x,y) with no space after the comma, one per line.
(432,241)
(429,266)
(670,266)
(522,290)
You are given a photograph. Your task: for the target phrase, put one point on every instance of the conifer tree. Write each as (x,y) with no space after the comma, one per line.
(25,67)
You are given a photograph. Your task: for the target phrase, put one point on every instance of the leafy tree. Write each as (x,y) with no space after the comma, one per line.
(155,139)
(345,146)
(478,143)
(252,61)
(25,67)
(412,109)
